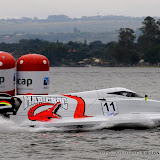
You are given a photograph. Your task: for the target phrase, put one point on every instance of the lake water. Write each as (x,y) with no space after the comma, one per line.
(103,143)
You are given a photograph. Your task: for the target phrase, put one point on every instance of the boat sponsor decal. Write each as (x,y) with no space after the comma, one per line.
(6,103)
(80,109)
(109,108)
(45,115)
(48,113)
(30,101)
(43,103)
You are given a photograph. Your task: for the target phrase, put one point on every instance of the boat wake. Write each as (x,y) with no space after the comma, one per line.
(127,122)
(114,122)
(8,126)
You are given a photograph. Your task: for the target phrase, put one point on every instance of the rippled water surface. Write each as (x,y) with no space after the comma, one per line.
(31,143)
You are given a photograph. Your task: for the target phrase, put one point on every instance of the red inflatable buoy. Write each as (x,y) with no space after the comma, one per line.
(7,73)
(33,74)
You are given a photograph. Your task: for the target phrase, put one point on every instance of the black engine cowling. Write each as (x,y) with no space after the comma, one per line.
(9,105)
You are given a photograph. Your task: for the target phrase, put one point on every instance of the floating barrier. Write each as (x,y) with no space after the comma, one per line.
(33,74)
(7,73)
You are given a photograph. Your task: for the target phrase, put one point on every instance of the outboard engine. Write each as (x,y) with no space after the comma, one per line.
(9,105)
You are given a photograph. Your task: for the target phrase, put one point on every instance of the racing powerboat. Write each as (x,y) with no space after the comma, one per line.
(119,106)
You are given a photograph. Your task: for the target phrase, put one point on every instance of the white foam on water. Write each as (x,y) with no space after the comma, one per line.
(134,121)
(125,121)
(46,129)
(8,126)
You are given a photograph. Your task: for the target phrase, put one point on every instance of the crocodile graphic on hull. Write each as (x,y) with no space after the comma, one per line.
(45,115)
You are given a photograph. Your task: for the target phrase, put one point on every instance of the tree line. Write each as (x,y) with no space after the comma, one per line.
(128,51)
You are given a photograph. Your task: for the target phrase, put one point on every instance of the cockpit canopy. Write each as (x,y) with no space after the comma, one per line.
(126,94)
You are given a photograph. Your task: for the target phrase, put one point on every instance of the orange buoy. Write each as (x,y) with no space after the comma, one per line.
(33,74)
(7,73)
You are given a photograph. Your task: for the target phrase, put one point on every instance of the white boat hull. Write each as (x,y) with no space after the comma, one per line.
(108,107)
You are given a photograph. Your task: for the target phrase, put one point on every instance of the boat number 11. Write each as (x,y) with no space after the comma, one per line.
(109,108)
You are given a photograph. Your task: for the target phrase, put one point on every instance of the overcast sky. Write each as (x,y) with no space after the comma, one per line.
(78,8)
